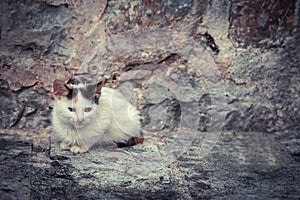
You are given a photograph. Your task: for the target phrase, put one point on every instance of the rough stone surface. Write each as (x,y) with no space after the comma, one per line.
(15,168)
(262,23)
(188,66)
(127,15)
(241,165)
(257,89)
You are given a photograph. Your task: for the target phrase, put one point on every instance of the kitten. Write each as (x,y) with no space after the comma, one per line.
(88,114)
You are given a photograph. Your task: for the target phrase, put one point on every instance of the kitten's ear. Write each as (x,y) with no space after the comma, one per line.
(98,89)
(69,86)
(61,89)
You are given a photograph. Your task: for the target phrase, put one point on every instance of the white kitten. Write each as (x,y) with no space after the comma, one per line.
(85,115)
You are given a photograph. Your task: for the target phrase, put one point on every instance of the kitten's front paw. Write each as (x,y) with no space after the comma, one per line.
(78,149)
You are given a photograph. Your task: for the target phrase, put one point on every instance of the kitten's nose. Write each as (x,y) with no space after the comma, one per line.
(80,120)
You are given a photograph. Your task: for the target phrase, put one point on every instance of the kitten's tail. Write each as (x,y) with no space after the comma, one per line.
(135,140)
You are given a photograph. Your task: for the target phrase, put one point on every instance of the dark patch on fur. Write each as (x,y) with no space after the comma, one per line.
(89,92)
(131,142)
(73,81)
(72,92)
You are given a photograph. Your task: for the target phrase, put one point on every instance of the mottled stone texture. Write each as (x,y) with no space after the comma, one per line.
(188,66)
(274,73)
(15,166)
(262,23)
(126,14)
(44,40)
(31,29)
(241,166)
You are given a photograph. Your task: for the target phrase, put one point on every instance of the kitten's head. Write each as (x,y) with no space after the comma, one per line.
(77,102)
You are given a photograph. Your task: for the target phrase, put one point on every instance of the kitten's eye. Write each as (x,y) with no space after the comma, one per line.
(71,109)
(87,109)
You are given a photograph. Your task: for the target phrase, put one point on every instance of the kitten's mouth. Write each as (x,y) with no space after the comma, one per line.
(79,124)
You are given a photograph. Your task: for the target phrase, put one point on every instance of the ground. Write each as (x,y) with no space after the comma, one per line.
(240,166)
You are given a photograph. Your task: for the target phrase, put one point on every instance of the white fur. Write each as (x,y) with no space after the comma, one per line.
(113,120)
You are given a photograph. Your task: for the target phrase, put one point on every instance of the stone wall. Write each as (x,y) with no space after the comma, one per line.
(236,63)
